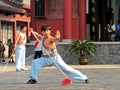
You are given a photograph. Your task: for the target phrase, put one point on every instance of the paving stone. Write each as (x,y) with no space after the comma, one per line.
(102,77)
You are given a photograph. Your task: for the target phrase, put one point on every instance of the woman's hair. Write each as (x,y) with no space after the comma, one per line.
(45,27)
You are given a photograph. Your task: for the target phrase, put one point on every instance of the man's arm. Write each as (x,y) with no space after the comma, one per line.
(57,36)
(37,34)
(16,41)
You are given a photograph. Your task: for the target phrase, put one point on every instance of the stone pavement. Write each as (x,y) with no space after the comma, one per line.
(102,77)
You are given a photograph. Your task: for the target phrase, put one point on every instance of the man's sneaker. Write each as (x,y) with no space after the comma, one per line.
(31,81)
(17,70)
(86,81)
(24,69)
(3,61)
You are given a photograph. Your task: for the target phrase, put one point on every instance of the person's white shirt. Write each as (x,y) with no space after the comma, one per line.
(112,27)
(110,30)
(38,47)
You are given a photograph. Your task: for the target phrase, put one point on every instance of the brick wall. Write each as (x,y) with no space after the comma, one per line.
(106,53)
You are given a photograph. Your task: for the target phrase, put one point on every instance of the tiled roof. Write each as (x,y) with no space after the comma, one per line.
(19,2)
(6,7)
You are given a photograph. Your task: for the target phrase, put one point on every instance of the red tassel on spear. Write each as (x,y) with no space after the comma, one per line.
(67,80)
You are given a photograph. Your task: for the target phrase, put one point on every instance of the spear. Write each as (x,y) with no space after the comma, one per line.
(65,81)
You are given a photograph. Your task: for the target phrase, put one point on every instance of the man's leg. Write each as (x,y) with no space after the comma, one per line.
(36,65)
(70,71)
(18,59)
(39,53)
(35,55)
(23,60)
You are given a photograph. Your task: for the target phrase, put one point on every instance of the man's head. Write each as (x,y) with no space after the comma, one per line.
(46,30)
(45,27)
(23,28)
(9,40)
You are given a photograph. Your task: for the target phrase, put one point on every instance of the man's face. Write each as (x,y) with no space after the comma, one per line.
(46,32)
(24,29)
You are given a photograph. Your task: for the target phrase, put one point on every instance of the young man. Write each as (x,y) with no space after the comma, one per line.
(48,43)
(2,50)
(37,49)
(20,49)
(10,48)
(111,30)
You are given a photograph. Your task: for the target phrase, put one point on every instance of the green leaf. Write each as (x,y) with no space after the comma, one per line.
(82,47)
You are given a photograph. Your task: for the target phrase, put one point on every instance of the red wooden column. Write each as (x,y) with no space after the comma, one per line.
(82,21)
(33,19)
(67,19)
(14,31)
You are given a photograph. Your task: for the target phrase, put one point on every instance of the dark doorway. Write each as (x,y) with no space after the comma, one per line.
(99,10)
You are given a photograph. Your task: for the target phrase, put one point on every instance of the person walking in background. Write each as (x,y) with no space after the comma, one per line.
(37,49)
(117,38)
(2,50)
(10,48)
(20,49)
(48,42)
(111,31)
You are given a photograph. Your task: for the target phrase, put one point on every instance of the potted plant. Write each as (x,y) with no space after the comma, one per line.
(84,48)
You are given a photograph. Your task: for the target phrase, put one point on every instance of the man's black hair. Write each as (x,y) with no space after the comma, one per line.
(9,40)
(22,26)
(45,27)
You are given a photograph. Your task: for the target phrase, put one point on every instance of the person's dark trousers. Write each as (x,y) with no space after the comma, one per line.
(9,54)
(117,37)
(37,54)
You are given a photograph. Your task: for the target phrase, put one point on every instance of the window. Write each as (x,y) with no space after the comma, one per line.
(6,31)
(75,8)
(56,8)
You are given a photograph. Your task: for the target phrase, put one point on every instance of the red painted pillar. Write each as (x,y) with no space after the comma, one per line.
(14,32)
(82,21)
(67,22)
(33,19)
